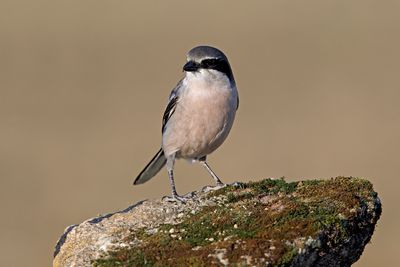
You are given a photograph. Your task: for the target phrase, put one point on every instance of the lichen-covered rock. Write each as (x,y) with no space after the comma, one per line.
(265,223)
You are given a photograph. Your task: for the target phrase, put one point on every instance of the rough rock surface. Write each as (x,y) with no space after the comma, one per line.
(265,223)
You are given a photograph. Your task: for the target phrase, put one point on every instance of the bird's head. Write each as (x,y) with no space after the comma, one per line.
(207,59)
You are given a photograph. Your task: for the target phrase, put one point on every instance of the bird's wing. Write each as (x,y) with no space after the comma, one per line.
(172,102)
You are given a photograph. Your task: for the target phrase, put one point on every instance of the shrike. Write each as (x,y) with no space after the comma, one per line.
(199,115)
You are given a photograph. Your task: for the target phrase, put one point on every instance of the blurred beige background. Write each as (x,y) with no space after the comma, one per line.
(83,85)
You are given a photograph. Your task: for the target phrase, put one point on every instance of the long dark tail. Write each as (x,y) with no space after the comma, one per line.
(152,168)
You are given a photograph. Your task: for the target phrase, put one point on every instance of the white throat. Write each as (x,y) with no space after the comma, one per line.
(207,77)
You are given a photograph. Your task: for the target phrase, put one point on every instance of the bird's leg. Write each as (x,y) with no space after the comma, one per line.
(170,169)
(172,182)
(214,176)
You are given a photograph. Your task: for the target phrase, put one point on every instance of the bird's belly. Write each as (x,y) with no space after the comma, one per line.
(206,133)
(203,125)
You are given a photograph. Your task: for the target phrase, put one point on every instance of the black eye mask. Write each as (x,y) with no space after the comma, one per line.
(217,64)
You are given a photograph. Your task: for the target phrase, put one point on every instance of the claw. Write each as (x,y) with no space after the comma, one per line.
(220,185)
(176,198)
(209,188)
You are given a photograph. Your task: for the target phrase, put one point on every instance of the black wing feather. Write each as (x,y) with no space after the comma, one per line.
(169,111)
(173,100)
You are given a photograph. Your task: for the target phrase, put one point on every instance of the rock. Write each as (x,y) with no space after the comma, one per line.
(265,223)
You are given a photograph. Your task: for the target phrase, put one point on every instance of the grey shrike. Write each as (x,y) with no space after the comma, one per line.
(199,115)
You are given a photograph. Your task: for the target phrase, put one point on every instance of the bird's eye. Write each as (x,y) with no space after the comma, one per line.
(209,63)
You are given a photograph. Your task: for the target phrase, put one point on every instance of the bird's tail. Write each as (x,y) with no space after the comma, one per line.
(152,168)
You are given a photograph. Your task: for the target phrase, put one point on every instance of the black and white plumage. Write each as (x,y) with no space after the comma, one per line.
(199,114)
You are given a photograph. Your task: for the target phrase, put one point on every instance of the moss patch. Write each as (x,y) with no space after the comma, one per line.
(250,223)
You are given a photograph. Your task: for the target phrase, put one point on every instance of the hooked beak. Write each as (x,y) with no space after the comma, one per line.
(191,66)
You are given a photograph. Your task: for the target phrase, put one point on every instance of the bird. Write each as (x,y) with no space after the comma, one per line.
(199,115)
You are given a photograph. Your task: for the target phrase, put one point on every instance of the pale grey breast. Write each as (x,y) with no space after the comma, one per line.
(203,116)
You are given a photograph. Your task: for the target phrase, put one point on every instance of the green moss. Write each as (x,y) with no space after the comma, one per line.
(235,197)
(272,186)
(202,227)
(252,218)
(311,182)
(135,258)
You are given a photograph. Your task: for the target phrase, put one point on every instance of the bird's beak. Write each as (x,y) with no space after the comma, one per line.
(191,66)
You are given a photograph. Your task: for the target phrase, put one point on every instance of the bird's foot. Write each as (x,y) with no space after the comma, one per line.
(220,185)
(209,188)
(177,198)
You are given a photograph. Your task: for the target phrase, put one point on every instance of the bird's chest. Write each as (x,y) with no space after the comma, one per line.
(207,106)
(208,114)
(203,116)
